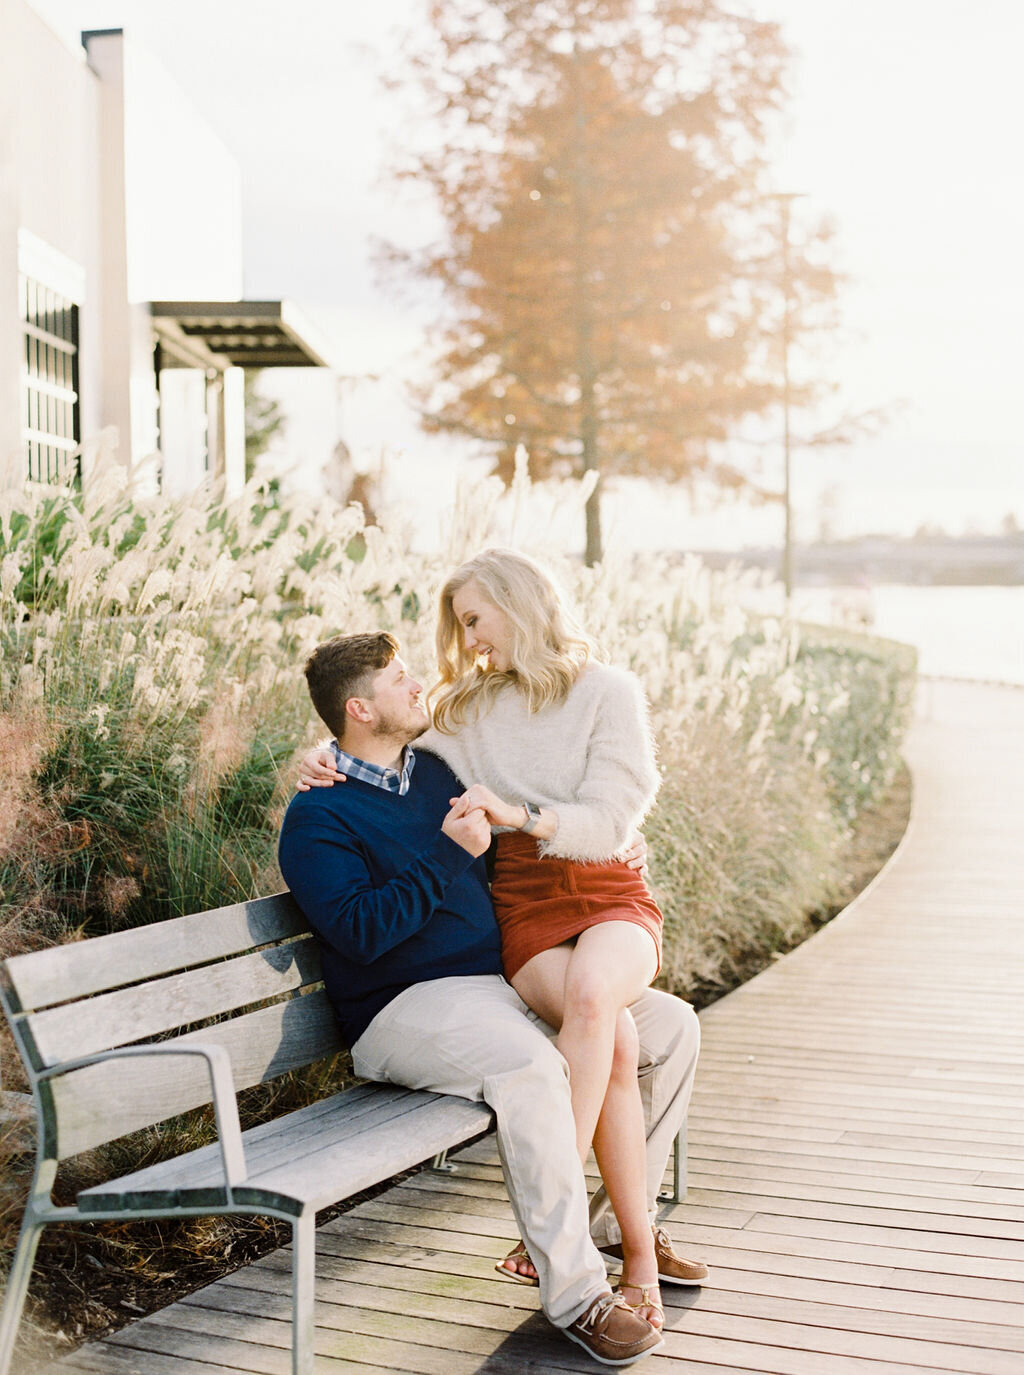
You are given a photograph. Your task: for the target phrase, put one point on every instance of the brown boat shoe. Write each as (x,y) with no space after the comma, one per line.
(672,1269)
(612,1333)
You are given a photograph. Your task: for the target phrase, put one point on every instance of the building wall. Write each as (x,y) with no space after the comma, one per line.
(183,193)
(11,460)
(56,139)
(109,178)
(172,196)
(48,198)
(183,242)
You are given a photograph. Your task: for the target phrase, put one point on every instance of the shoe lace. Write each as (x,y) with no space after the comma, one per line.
(601,1308)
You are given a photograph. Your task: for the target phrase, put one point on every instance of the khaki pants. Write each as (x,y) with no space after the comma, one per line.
(476,1038)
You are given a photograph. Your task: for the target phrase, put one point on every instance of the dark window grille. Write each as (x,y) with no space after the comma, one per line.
(50,409)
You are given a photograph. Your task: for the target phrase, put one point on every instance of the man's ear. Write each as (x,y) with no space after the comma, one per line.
(357,709)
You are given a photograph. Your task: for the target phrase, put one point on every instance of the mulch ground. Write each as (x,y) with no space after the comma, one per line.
(89,1282)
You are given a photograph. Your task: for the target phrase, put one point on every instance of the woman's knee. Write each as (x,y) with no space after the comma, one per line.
(590,996)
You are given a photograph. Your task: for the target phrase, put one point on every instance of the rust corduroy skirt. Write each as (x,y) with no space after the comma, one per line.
(540,903)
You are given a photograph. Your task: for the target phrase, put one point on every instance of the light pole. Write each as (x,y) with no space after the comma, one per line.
(785,200)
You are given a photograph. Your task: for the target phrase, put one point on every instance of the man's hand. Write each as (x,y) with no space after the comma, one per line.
(498,813)
(317,769)
(635,854)
(468,827)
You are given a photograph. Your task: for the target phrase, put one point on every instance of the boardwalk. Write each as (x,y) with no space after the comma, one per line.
(856,1148)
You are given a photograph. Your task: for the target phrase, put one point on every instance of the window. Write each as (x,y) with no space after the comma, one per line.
(51,424)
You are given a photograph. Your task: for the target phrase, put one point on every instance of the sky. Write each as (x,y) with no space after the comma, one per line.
(902,127)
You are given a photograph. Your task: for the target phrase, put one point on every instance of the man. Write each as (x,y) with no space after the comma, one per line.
(391,877)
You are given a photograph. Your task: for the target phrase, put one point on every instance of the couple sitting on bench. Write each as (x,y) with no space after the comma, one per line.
(571,1048)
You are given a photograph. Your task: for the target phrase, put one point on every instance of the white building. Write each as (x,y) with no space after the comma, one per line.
(120,267)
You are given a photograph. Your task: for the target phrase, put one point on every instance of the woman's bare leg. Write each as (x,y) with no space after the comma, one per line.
(583,989)
(609,967)
(620,1147)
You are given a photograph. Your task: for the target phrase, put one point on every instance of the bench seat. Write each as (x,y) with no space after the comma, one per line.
(308,1159)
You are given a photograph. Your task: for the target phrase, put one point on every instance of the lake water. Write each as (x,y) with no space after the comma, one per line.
(959,632)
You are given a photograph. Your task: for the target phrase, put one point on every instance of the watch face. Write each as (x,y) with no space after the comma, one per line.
(532,810)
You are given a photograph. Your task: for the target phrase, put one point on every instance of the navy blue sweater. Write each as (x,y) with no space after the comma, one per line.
(393,900)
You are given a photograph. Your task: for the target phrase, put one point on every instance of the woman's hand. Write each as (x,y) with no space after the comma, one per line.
(468,827)
(317,769)
(635,854)
(498,813)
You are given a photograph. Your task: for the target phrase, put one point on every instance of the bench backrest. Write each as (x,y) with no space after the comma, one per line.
(254,966)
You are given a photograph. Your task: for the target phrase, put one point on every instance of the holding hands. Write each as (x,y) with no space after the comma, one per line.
(498,813)
(513,815)
(467,826)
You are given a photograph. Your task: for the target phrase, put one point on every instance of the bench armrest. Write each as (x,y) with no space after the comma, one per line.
(225,1104)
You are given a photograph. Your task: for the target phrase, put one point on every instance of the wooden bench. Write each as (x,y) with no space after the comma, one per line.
(110,1030)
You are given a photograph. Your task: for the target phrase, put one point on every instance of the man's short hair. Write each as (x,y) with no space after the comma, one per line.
(343,668)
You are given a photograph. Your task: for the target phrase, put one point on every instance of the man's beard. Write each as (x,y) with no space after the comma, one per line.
(405,732)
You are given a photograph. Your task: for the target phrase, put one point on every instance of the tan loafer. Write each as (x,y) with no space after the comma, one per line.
(612,1333)
(672,1269)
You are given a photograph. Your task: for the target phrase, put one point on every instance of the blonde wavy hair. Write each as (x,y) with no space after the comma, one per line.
(548,647)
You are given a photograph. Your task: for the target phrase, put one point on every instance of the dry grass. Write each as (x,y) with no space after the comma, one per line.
(737,863)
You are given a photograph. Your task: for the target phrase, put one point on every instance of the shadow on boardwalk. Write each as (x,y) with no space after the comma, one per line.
(856,1149)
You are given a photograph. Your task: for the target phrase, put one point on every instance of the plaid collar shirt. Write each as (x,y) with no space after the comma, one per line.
(391,780)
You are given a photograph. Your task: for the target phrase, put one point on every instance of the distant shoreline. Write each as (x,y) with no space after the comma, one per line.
(933,560)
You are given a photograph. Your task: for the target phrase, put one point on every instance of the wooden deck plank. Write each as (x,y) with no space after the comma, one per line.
(476,1305)
(783,1242)
(897,1149)
(758,1193)
(113,1360)
(792,1257)
(882,1237)
(720,1108)
(409,1277)
(885,1181)
(856,1154)
(473,1328)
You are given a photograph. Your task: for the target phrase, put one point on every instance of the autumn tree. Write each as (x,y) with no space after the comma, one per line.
(606,269)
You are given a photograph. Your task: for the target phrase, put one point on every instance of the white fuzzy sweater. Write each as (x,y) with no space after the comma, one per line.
(590,758)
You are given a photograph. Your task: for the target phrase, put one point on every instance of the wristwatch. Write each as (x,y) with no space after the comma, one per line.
(532,817)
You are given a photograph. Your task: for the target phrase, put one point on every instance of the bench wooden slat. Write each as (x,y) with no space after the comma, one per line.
(148,1009)
(104,1101)
(362,1149)
(267,1146)
(401,1144)
(263,1142)
(45,977)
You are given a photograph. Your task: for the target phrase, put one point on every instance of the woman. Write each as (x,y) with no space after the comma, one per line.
(563,755)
